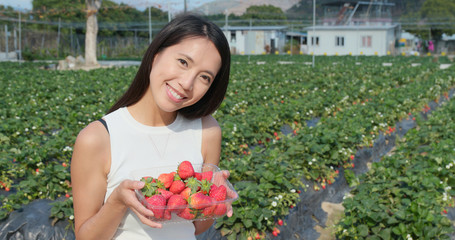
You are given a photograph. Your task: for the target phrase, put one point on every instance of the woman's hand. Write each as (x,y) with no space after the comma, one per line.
(124,195)
(220,178)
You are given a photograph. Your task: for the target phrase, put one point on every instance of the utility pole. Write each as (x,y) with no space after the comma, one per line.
(150,25)
(313,41)
(20,37)
(168,12)
(6,41)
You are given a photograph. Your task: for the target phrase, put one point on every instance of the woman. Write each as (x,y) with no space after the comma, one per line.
(161,120)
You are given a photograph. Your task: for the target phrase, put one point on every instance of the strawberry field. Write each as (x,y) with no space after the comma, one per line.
(289,130)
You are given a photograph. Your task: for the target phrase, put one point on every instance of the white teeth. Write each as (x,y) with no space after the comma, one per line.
(174,93)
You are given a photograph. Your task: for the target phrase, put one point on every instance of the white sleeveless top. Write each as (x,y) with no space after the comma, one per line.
(136,146)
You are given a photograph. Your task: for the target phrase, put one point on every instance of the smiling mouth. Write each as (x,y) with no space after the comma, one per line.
(175,94)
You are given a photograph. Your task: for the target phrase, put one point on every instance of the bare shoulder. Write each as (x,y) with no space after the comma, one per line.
(93,146)
(211,140)
(93,136)
(210,123)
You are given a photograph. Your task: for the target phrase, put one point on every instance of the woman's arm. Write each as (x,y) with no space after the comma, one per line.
(211,150)
(90,165)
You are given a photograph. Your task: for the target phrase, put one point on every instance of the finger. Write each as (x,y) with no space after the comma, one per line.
(231,193)
(139,208)
(131,184)
(147,221)
(226,173)
(229,210)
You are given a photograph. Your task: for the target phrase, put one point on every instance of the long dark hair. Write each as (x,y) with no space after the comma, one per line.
(180,28)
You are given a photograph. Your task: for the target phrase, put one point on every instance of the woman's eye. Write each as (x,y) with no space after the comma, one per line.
(206,78)
(183,62)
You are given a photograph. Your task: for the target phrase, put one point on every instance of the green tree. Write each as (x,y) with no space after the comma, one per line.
(440,16)
(261,14)
(430,19)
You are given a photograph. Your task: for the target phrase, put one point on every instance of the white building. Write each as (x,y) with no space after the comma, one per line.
(352,27)
(352,40)
(255,39)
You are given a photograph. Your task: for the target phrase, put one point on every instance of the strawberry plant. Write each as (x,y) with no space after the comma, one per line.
(281,124)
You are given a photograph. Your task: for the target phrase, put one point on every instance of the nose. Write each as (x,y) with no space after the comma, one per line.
(187,81)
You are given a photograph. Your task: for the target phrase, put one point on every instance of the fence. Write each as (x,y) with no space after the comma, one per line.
(31,39)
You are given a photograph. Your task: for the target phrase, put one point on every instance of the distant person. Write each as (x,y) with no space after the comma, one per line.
(430,46)
(163,119)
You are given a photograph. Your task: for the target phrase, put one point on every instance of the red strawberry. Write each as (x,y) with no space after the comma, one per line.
(207,175)
(280,222)
(167,214)
(194,184)
(157,204)
(186,193)
(166,179)
(177,187)
(166,194)
(218,193)
(150,186)
(220,209)
(200,200)
(176,203)
(205,186)
(185,170)
(208,211)
(198,176)
(188,214)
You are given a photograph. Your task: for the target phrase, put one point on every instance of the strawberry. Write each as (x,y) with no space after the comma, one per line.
(205,186)
(150,186)
(280,222)
(167,214)
(194,184)
(176,203)
(186,193)
(188,214)
(185,170)
(166,179)
(218,193)
(166,194)
(177,187)
(220,210)
(207,175)
(208,211)
(198,175)
(200,200)
(156,204)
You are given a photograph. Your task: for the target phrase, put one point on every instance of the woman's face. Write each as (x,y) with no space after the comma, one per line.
(181,74)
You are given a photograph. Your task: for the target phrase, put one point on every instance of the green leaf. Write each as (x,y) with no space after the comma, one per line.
(385,234)
(362,230)
(225,231)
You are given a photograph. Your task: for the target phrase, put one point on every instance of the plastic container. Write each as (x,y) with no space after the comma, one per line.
(188,212)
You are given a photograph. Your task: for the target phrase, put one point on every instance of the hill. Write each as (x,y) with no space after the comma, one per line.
(239,7)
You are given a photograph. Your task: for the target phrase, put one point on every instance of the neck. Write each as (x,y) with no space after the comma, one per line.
(146,112)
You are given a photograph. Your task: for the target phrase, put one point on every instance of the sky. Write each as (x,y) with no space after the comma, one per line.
(174,5)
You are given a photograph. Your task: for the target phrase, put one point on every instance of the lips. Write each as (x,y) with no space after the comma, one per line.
(176,96)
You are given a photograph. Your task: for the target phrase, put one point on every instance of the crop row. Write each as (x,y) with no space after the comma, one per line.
(406,195)
(352,104)
(267,143)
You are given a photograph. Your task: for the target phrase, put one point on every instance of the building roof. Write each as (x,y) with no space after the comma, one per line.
(351,27)
(296,34)
(254,28)
(341,3)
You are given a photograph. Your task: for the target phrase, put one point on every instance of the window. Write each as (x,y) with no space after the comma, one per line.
(366,41)
(233,36)
(339,41)
(313,41)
